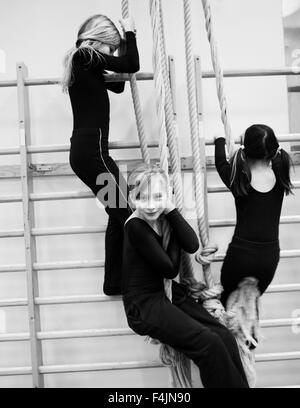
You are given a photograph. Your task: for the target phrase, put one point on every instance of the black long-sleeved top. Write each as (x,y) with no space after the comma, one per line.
(257,213)
(88,93)
(145,262)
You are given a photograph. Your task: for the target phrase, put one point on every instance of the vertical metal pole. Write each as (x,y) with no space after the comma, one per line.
(28,220)
(172,77)
(199,96)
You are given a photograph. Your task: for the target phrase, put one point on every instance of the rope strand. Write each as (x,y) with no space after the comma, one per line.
(219,76)
(136,101)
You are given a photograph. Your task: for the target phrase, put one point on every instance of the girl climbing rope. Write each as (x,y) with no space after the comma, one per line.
(258,175)
(183,324)
(85,63)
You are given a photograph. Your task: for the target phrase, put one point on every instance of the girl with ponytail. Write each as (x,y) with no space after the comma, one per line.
(83,79)
(258,176)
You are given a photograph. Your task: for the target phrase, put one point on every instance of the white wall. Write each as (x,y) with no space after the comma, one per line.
(250,35)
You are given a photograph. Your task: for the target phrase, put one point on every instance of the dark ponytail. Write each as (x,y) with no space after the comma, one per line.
(240,173)
(260,143)
(281,165)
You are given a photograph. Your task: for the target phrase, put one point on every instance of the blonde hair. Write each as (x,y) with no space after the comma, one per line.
(96,29)
(141,176)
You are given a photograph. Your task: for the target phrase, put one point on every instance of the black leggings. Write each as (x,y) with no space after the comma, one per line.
(248,258)
(89,159)
(185,325)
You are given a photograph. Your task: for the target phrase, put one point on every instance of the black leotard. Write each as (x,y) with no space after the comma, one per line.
(183,324)
(145,262)
(89,153)
(257,213)
(88,93)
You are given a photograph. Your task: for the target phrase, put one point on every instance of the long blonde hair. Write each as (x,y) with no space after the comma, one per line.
(141,176)
(96,29)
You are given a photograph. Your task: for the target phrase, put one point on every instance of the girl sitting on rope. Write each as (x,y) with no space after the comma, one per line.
(258,175)
(97,40)
(183,324)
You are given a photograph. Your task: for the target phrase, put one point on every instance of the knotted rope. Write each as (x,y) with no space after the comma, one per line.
(211,292)
(170,357)
(242,318)
(242,307)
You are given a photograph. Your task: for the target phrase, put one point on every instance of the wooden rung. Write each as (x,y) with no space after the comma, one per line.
(89,333)
(54,300)
(13,268)
(11,233)
(59,148)
(276,322)
(67,230)
(283,356)
(291,253)
(67,368)
(13,302)
(288,287)
(292,137)
(66,147)
(140,76)
(8,172)
(68,334)
(126,365)
(70,195)
(222,189)
(59,300)
(15,371)
(6,151)
(291,219)
(103,298)
(294,219)
(260,72)
(10,198)
(146,76)
(14,337)
(68,265)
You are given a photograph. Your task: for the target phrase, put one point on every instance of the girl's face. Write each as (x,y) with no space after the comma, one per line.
(104,48)
(152,198)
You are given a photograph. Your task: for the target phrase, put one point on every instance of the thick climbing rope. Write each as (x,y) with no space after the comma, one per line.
(209,293)
(219,76)
(136,101)
(186,271)
(160,108)
(171,133)
(169,356)
(243,321)
(242,307)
